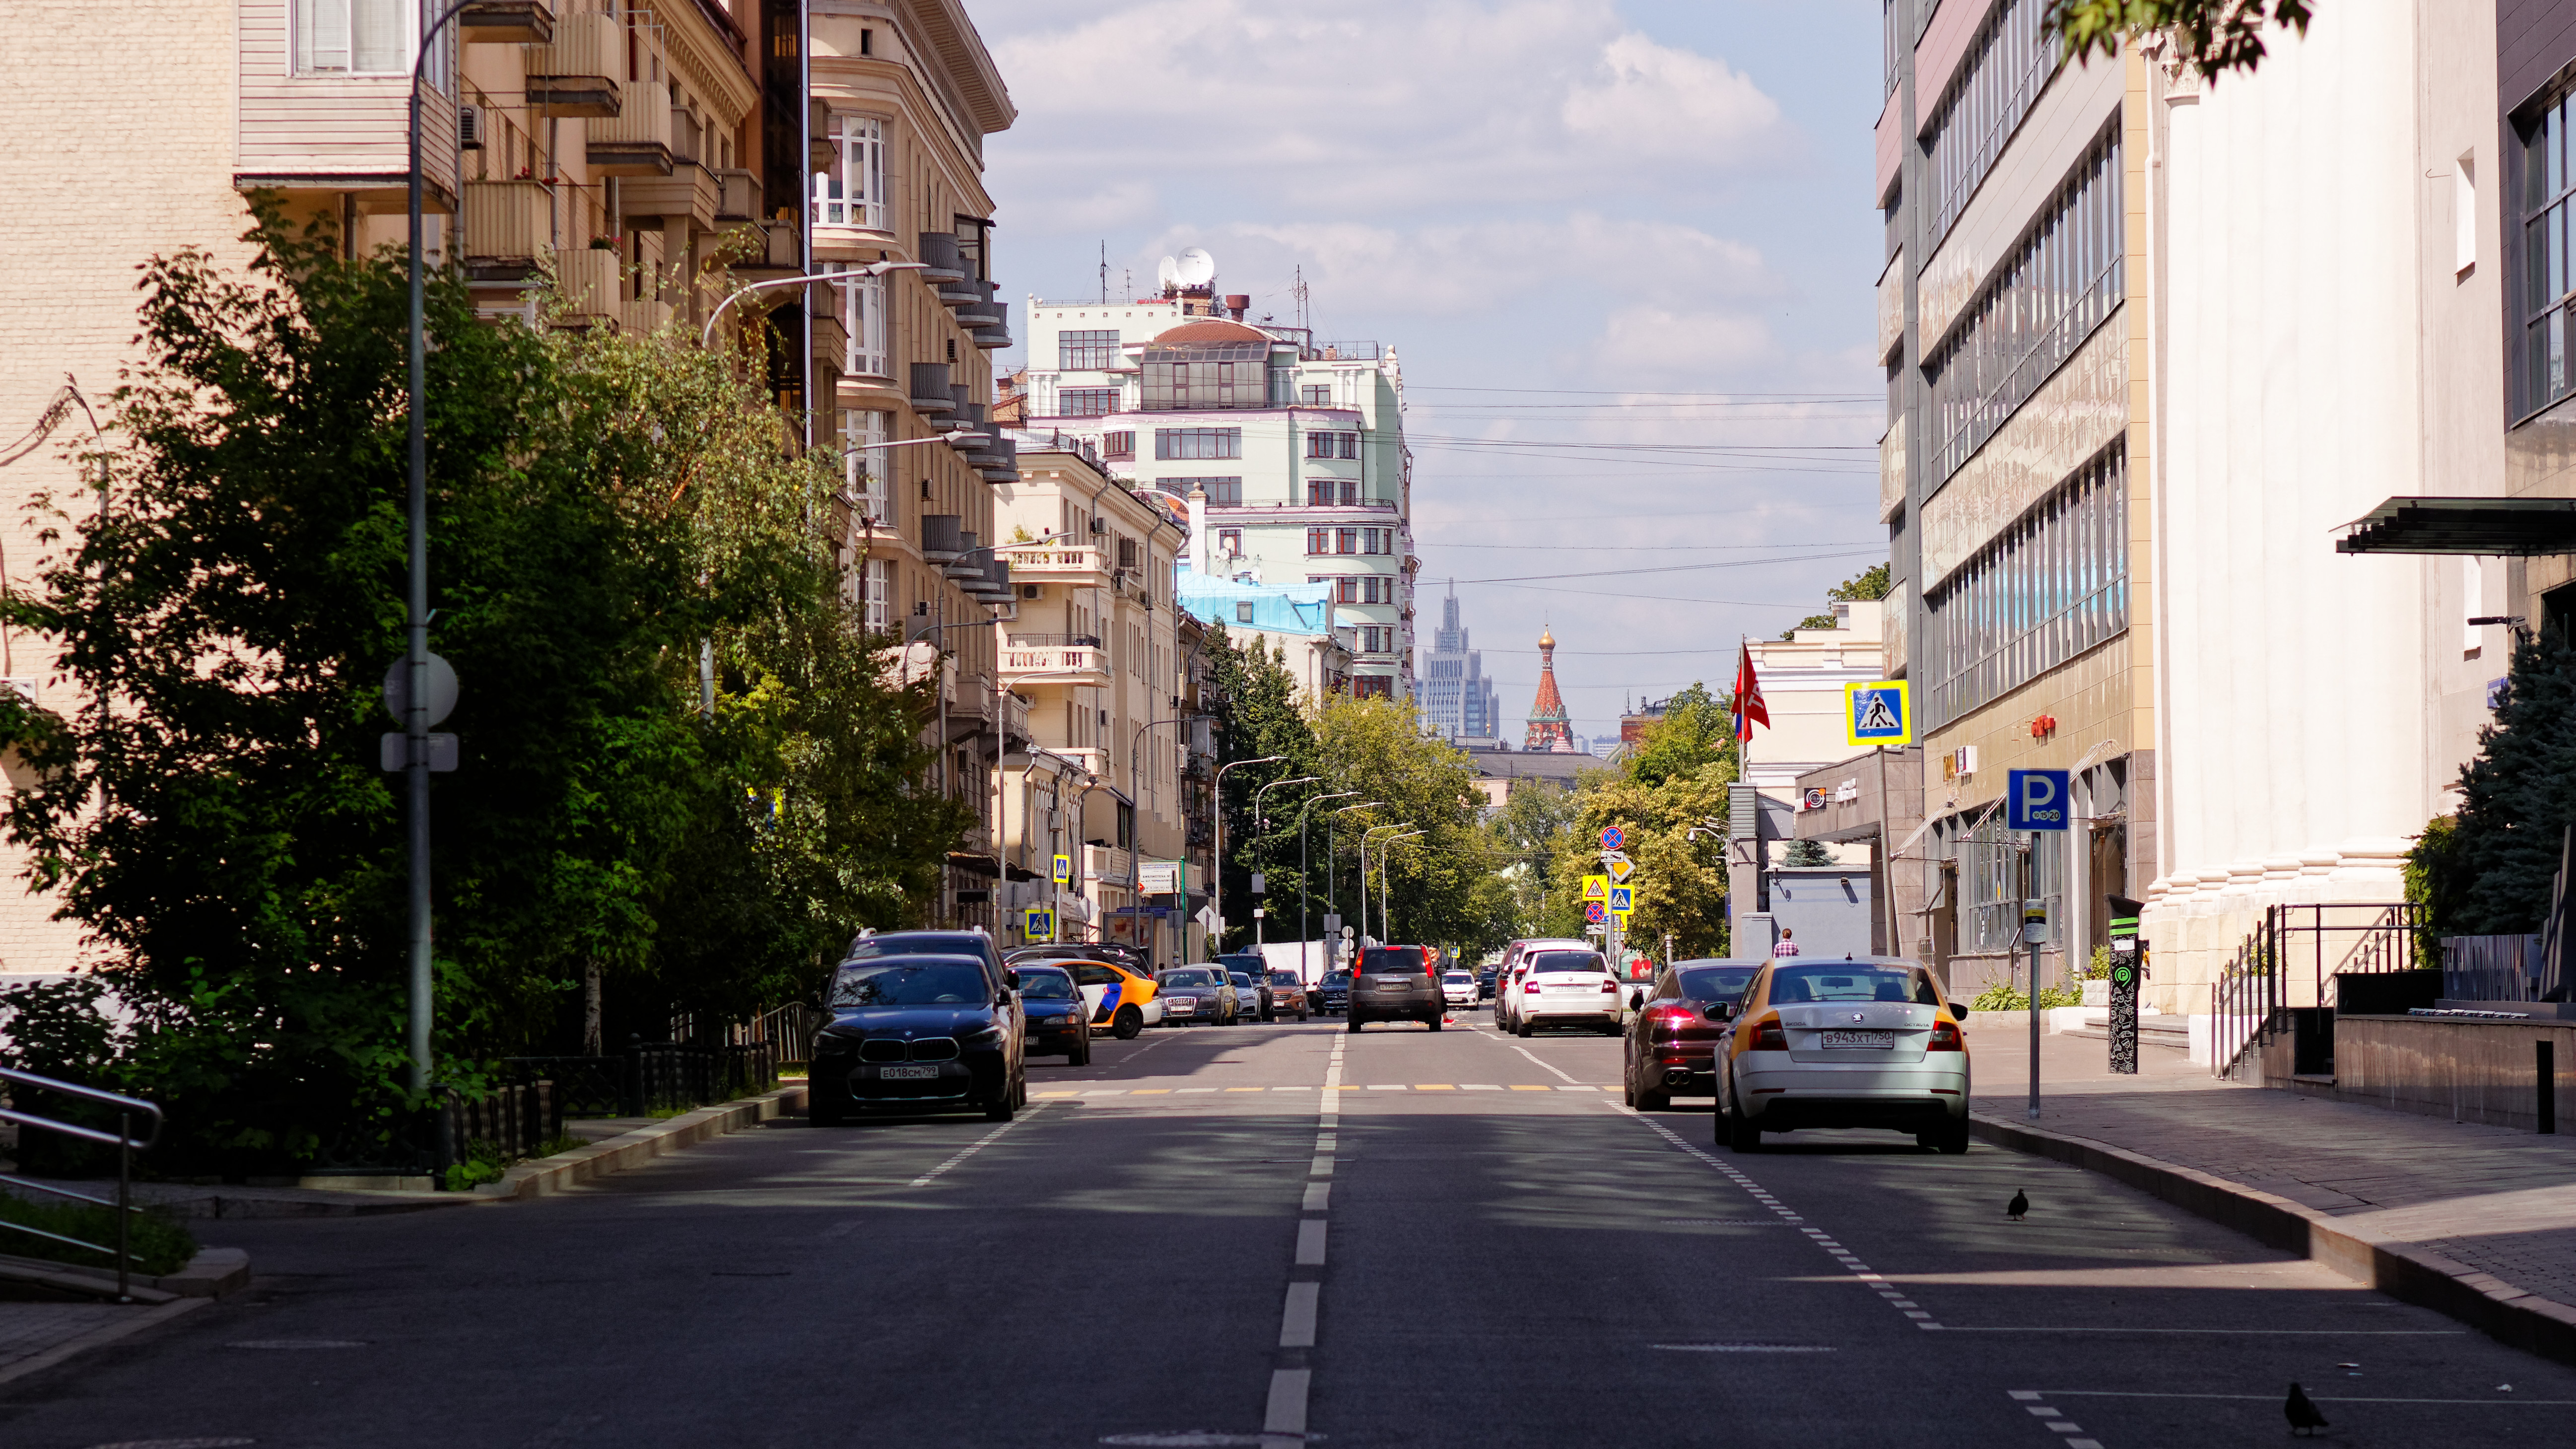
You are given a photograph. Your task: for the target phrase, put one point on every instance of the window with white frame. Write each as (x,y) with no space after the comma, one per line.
(353,37)
(877,600)
(863,316)
(1172,443)
(852,191)
(1316,394)
(1229,542)
(863,462)
(1090,349)
(1087,402)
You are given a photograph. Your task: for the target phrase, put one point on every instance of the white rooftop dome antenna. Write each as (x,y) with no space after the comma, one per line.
(1195,268)
(1167,274)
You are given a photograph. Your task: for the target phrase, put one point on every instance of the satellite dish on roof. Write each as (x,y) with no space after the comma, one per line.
(1167,273)
(1195,267)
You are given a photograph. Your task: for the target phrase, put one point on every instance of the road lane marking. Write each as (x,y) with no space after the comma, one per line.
(1310,1243)
(2249,1332)
(2519,1403)
(1286,1413)
(1518,1088)
(1478,1087)
(978,1145)
(1297,1320)
(1319,1197)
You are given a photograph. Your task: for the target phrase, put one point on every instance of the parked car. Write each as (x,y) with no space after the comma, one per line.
(1672,1038)
(1127,956)
(1561,987)
(1252,993)
(1332,995)
(1196,993)
(1123,1002)
(1458,989)
(917,1033)
(872,944)
(1512,973)
(1287,991)
(1485,982)
(1866,1043)
(1058,1019)
(1395,983)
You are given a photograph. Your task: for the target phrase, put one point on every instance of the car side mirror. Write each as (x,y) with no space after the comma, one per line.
(1959,1010)
(1723,1011)
(1011,979)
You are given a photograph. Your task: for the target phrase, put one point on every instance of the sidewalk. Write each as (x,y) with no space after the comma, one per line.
(2493,1209)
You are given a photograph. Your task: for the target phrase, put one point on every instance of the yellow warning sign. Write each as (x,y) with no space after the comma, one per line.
(1596,887)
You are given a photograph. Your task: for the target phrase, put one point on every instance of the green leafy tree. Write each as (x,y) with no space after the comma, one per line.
(1870,583)
(1376,747)
(1806,852)
(2213,36)
(1257,714)
(1672,784)
(1524,840)
(2488,870)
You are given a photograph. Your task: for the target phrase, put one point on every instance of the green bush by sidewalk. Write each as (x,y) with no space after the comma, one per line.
(158,1242)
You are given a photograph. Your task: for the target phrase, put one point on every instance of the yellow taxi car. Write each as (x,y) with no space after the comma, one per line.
(1123,1001)
(1866,1043)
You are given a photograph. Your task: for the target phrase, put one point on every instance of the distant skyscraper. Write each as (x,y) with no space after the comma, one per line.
(1548,728)
(1458,701)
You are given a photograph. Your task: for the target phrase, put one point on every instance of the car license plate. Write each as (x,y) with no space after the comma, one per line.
(908,1074)
(1878,1039)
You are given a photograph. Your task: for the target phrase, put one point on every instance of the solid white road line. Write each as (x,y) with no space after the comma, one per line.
(1297,1320)
(2276,1398)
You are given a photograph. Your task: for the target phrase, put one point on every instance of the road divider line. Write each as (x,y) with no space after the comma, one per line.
(978,1145)
(1310,1243)
(1297,1319)
(1286,1413)
(1319,1197)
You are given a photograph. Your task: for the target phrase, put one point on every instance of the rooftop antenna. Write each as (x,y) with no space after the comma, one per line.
(1104,271)
(1297,289)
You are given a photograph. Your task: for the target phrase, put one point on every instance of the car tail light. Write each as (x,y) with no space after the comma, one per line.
(1768,1037)
(1945,1038)
(1610,986)
(1531,989)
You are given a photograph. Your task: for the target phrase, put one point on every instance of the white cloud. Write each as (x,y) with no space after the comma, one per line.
(1669,103)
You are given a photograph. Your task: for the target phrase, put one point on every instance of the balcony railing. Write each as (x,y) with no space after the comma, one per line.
(589,280)
(1037,563)
(570,75)
(1063,665)
(1052,641)
(1109,864)
(507,223)
(637,140)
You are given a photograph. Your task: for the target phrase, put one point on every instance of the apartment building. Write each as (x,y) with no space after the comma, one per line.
(1297,445)
(1293,622)
(1101,654)
(2012,468)
(654,157)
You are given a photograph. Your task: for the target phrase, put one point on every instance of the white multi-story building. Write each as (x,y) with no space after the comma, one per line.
(1297,445)
(1458,703)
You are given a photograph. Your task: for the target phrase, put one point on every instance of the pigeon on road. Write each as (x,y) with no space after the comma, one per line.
(2301,1413)
(2019,1205)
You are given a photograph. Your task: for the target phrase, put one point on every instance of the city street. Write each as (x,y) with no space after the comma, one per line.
(1469,1242)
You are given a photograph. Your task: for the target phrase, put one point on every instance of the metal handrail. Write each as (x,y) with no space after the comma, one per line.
(123,1140)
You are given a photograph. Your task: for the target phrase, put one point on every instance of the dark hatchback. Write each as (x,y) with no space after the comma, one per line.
(1333,993)
(1397,983)
(1672,1040)
(1485,982)
(1058,1019)
(917,1033)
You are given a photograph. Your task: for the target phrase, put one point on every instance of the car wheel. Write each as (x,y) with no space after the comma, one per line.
(1005,1109)
(822,1116)
(1526,1029)
(1432,1021)
(1356,1023)
(1648,1101)
(1741,1134)
(1079,1055)
(1627,1087)
(1950,1139)
(1127,1024)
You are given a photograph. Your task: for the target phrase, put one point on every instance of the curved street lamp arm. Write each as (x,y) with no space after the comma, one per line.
(707,334)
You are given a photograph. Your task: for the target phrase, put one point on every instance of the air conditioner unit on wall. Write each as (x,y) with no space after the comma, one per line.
(469,128)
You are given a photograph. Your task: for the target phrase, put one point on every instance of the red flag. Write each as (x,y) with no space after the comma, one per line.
(1748,699)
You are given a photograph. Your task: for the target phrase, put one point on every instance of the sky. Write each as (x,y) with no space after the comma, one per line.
(1625,252)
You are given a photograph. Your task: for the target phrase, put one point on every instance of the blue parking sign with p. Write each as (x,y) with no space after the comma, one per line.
(2036,800)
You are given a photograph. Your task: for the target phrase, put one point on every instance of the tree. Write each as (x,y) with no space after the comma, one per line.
(1524,840)
(2488,871)
(1806,852)
(2213,36)
(1673,783)
(1870,583)
(1257,714)
(1376,747)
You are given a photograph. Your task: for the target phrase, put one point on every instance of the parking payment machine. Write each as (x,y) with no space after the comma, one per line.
(2128,968)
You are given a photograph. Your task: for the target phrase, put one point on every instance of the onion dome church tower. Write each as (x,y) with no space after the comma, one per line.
(1548,728)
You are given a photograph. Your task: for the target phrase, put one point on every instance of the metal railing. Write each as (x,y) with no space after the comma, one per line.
(2262,993)
(652,1077)
(2495,968)
(122,1139)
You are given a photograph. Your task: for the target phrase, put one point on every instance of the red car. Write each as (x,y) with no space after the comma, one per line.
(1671,1041)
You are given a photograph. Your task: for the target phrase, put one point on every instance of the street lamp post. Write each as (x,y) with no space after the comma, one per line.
(1261,832)
(1385,923)
(1332,881)
(1216,885)
(1364,843)
(707,334)
(1304,923)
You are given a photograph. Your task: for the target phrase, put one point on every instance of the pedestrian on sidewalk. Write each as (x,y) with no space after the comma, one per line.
(1788,942)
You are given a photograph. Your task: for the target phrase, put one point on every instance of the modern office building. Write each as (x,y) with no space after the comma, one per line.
(1297,444)
(1457,702)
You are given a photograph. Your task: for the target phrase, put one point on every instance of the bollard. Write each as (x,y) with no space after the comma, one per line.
(2546,1055)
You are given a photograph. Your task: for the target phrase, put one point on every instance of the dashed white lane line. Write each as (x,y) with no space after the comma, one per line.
(2054,1421)
(1283,1417)
(1310,1243)
(1849,1261)
(978,1145)
(1297,1320)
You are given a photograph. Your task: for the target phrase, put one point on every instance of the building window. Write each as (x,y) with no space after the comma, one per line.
(852,191)
(1319,540)
(1325,492)
(1087,402)
(1192,443)
(1221,492)
(863,462)
(1373,686)
(1229,543)
(2060,283)
(1332,445)
(1377,540)
(1118,446)
(1092,351)
(2051,586)
(1243,611)
(863,317)
(353,37)
(1346,540)
(2547,210)
(1316,394)
(2008,62)
(1205,375)
(879,595)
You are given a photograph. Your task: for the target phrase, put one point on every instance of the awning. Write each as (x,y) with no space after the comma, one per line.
(2518,526)
(972,863)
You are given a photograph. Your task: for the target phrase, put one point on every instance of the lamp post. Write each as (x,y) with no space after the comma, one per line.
(1385,923)
(1261,832)
(707,334)
(1332,885)
(1364,835)
(1216,883)
(1303,922)
(416,612)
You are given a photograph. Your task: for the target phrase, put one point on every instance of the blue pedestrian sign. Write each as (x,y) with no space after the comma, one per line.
(2036,800)
(1622,899)
(1612,837)
(1877,712)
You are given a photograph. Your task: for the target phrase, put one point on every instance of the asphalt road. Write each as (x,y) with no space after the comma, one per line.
(1469,1243)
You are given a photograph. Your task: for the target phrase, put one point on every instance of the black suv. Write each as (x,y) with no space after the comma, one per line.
(1396,983)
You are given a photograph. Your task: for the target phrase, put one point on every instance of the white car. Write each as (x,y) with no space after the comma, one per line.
(1565,987)
(1843,1044)
(1458,988)
(1510,976)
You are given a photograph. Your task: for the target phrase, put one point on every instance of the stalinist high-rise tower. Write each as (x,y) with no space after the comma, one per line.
(1548,728)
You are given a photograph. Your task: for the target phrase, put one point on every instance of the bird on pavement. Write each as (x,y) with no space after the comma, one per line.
(2019,1205)
(2301,1413)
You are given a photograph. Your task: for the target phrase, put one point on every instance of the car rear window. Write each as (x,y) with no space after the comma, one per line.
(1588,961)
(1716,983)
(1393,961)
(1284,978)
(1187,978)
(1845,981)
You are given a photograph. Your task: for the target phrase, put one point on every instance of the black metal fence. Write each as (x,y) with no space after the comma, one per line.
(2276,982)
(2496,968)
(651,1077)
(516,1119)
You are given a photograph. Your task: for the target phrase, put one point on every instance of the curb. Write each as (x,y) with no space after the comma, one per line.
(147,1318)
(212,1273)
(546,1176)
(2402,1270)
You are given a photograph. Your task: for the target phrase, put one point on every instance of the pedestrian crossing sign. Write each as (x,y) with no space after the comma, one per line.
(1037,923)
(1596,887)
(1622,899)
(1064,870)
(1877,712)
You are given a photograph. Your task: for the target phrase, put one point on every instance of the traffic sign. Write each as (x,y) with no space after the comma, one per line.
(1622,918)
(1038,922)
(1612,837)
(1621,868)
(1623,899)
(1593,913)
(1877,712)
(1596,887)
(2036,800)
(1064,870)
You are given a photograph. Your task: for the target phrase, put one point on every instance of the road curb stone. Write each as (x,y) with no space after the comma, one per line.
(550,1175)
(2402,1270)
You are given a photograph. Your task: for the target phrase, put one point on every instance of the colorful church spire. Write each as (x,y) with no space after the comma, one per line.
(1548,728)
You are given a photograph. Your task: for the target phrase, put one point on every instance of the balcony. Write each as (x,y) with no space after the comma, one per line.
(507,22)
(690,191)
(569,75)
(738,195)
(1109,865)
(507,228)
(1044,564)
(637,140)
(1054,664)
(588,280)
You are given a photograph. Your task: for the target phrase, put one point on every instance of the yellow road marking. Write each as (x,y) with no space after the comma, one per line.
(1151,1092)
(1519,1088)
(1433,1087)
(1247,1089)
